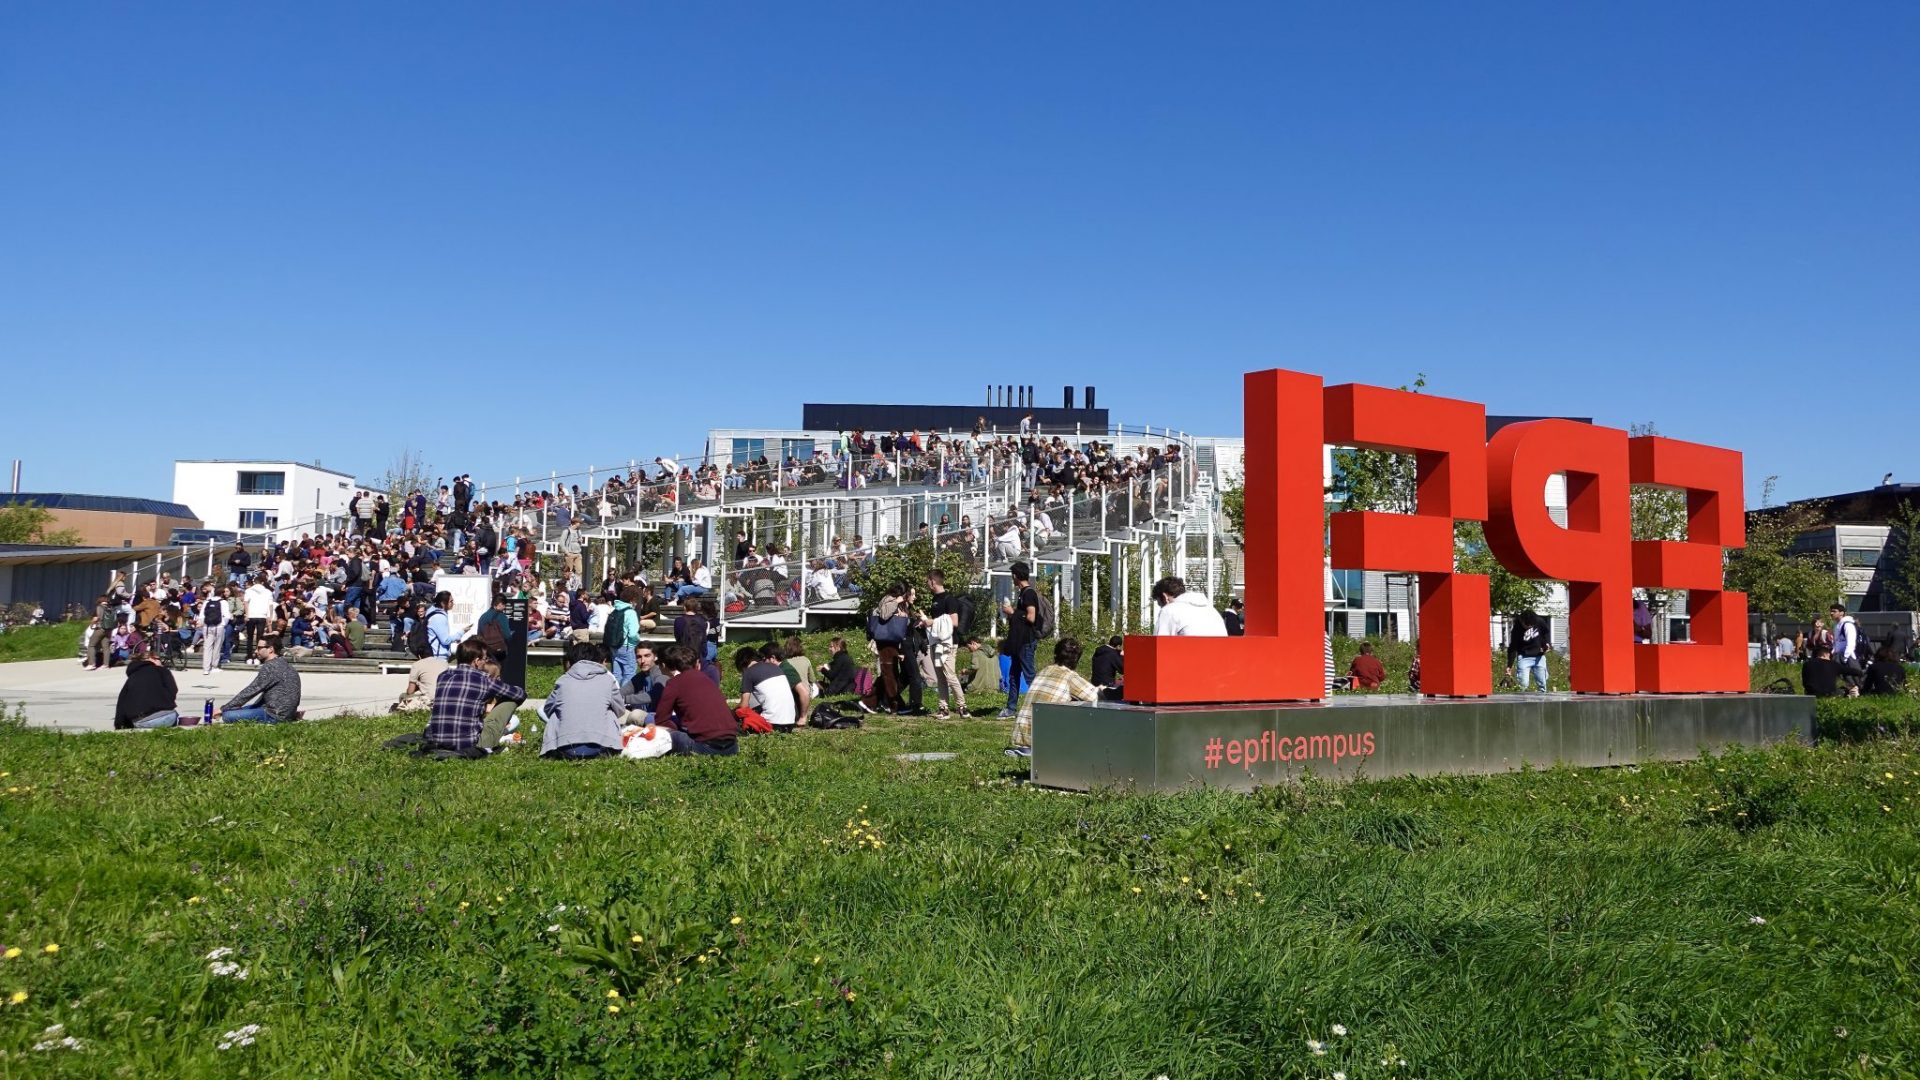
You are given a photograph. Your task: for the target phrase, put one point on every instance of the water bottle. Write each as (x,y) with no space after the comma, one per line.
(206,712)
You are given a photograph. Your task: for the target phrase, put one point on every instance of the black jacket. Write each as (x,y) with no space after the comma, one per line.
(1108,664)
(149,689)
(1532,636)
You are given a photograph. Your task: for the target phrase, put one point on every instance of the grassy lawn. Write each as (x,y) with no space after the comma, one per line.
(59,641)
(817,906)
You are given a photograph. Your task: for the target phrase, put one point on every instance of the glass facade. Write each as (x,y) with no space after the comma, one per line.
(262,483)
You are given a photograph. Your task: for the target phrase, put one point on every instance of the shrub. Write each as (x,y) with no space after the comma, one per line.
(1852,719)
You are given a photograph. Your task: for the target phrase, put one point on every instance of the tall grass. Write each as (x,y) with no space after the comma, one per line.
(56,641)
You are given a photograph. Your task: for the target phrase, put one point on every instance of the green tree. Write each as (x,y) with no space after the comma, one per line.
(27,523)
(1656,513)
(1508,592)
(1902,561)
(1233,503)
(910,563)
(1776,579)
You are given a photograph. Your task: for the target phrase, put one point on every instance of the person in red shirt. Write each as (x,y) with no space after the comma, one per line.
(691,705)
(1367,671)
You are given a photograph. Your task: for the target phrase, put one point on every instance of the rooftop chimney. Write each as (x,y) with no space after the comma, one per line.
(1067,398)
(1089,397)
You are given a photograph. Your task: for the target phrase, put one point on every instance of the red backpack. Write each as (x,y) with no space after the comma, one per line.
(752,722)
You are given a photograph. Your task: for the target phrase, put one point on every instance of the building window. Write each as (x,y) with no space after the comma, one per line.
(1860,558)
(800,450)
(263,483)
(1350,588)
(748,450)
(259,520)
(1384,624)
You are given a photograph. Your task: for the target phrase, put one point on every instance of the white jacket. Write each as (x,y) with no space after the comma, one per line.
(259,602)
(1190,614)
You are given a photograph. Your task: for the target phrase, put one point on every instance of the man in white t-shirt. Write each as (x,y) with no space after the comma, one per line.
(764,688)
(258,600)
(1184,613)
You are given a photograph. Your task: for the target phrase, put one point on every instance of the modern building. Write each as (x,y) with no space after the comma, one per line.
(1853,530)
(250,497)
(109,521)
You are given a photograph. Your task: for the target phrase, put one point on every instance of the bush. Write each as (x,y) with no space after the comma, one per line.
(1852,719)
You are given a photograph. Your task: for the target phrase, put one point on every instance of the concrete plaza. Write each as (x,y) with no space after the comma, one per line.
(58,694)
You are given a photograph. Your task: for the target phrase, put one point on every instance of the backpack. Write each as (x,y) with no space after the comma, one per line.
(752,722)
(863,682)
(963,613)
(614,636)
(1042,618)
(828,718)
(216,613)
(419,642)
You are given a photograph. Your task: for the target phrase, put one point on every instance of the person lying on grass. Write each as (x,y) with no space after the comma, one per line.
(585,709)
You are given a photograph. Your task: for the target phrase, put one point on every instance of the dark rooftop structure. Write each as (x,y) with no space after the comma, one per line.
(1873,506)
(111,504)
(1005,406)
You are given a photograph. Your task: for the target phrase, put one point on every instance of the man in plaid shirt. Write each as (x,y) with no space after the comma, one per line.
(461,721)
(1057,684)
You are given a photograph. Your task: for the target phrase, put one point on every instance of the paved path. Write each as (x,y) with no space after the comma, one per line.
(58,694)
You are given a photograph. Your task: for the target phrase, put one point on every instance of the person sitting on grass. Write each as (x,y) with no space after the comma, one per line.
(1057,684)
(1820,676)
(585,709)
(764,688)
(1366,670)
(472,710)
(837,676)
(273,697)
(693,709)
(149,698)
(1885,675)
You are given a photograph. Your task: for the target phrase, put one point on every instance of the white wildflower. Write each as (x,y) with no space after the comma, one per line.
(1339,1029)
(227,969)
(554,929)
(67,1043)
(240,1036)
(1319,1048)
(220,953)
(1757,921)
(1338,1075)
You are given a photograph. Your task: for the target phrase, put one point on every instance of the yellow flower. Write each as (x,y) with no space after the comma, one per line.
(816,960)
(864,821)
(1186,881)
(18,997)
(851,995)
(636,939)
(613,993)
(193,900)
(735,921)
(1136,888)
(51,949)
(703,958)
(613,1008)
(13,951)
(1889,776)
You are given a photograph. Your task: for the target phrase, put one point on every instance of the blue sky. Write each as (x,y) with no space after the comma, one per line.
(531,237)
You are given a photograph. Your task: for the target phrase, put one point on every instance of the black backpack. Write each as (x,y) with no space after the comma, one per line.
(419,642)
(828,718)
(216,613)
(963,613)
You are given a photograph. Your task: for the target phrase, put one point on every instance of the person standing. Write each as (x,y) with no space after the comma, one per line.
(623,634)
(213,631)
(1023,622)
(887,627)
(1235,617)
(944,643)
(1527,648)
(106,619)
(259,604)
(570,551)
(1849,645)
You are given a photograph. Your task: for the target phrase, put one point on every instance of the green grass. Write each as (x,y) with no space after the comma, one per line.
(405,918)
(57,641)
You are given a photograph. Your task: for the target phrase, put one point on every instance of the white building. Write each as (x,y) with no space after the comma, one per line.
(284,497)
